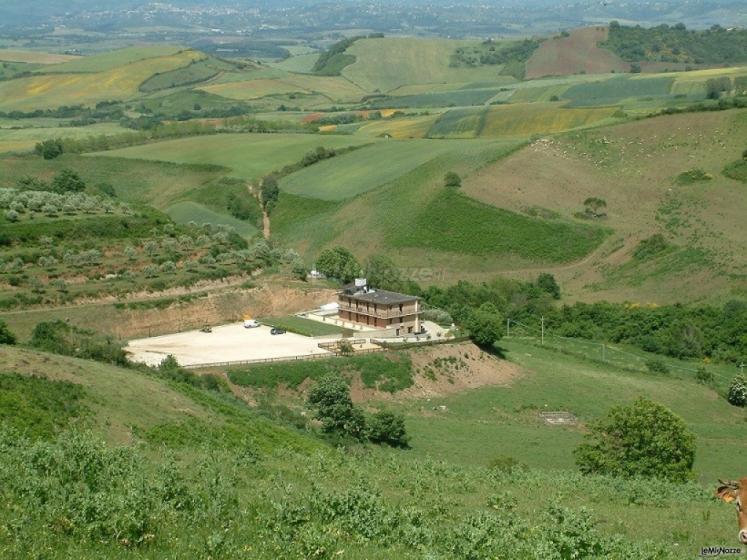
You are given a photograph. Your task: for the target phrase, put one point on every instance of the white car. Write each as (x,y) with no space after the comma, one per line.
(251,324)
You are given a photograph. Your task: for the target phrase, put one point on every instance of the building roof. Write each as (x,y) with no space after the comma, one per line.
(378,296)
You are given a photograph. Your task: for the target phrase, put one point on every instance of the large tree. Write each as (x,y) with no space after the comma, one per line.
(485,325)
(67,181)
(641,439)
(269,192)
(331,401)
(338,263)
(381,272)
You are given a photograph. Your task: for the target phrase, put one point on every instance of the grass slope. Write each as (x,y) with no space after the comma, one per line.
(188,211)
(124,405)
(489,422)
(415,219)
(362,170)
(634,166)
(206,465)
(455,223)
(385,64)
(248,156)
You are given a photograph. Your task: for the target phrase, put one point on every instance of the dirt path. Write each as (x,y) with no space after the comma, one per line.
(265,224)
(265,216)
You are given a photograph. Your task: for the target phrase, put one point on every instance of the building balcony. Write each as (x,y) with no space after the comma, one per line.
(380,313)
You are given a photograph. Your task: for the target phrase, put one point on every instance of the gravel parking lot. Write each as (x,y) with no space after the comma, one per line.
(227,343)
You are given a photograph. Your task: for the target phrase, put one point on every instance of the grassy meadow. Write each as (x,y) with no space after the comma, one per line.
(248,156)
(363,170)
(259,459)
(24,139)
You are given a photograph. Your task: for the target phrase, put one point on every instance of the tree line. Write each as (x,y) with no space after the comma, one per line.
(680,331)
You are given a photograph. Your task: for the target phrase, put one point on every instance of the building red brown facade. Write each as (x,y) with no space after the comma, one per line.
(380,309)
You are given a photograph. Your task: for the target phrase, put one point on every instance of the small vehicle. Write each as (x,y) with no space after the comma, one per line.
(251,323)
(206,329)
(277,330)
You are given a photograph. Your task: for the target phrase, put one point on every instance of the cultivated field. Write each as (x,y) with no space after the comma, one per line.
(575,54)
(364,169)
(399,128)
(34,57)
(383,65)
(524,120)
(24,139)
(459,123)
(114,59)
(248,156)
(57,89)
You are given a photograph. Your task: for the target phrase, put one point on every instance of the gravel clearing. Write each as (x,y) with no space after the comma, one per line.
(227,343)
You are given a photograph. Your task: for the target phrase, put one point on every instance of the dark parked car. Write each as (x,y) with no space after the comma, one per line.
(276,330)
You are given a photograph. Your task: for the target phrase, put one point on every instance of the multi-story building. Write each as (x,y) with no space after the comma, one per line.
(379,309)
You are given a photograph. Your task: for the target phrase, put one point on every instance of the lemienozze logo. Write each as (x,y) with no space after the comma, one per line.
(719,551)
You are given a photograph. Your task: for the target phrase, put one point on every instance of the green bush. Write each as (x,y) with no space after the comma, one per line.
(452,179)
(738,391)
(49,149)
(6,337)
(547,283)
(330,399)
(656,365)
(692,176)
(68,181)
(704,376)
(640,439)
(169,368)
(506,464)
(60,337)
(388,428)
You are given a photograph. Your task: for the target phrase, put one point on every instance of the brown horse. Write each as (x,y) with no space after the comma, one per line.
(736,491)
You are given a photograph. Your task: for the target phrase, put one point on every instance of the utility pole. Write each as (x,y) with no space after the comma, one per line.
(508,328)
(741,368)
(543,331)
(604,348)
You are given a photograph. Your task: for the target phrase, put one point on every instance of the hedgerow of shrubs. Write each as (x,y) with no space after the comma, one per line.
(63,338)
